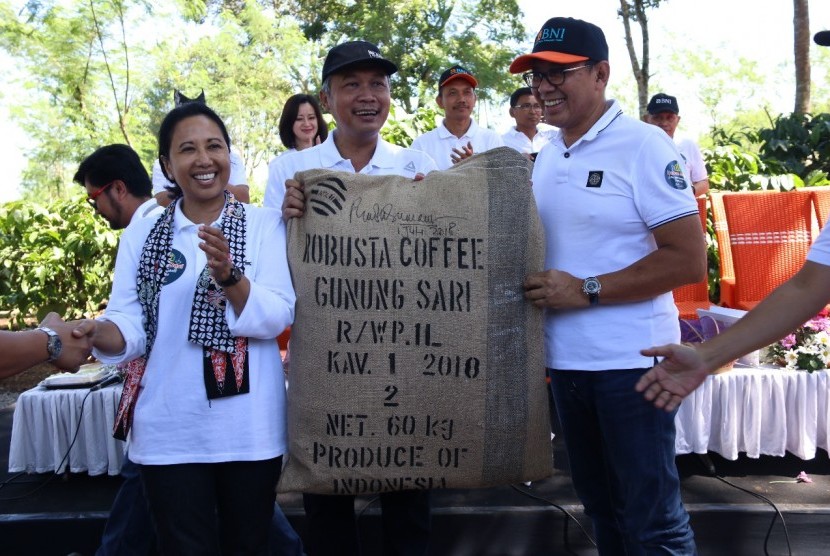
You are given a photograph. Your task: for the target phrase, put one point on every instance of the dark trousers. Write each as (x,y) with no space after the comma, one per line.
(332,526)
(212,508)
(129,528)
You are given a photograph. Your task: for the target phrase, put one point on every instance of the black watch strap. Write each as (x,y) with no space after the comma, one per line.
(233,278)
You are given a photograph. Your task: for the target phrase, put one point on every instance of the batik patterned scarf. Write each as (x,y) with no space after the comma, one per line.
(207,327)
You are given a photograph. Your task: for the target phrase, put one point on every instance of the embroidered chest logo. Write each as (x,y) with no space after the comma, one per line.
(594,178)
(410,167)
(175,266)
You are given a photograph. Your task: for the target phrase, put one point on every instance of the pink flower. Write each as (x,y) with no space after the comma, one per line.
(788,341)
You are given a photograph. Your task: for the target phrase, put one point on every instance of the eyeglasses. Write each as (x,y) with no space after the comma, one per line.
(555,76)
(92,198)
(527,107)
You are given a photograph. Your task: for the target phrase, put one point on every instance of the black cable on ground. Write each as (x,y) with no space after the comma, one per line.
(568,516)
(710,467)
(56,473)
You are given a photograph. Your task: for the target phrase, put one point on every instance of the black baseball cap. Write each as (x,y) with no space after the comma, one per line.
(564,40)
(457,72)
(355,52)
(822,38)
(661,102)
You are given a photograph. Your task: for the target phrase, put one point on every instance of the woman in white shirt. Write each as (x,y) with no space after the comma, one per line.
(301,123)
(198,297)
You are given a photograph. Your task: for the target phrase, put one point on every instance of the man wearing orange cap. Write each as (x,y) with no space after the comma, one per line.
(459,136)
(622,231)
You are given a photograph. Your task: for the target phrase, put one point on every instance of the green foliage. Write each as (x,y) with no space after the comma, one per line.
(77,93)
(402,128)
(54,257)
(798,144)
(423,37)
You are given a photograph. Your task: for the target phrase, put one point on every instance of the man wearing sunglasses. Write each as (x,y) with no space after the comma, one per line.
(117,185)
(622,230)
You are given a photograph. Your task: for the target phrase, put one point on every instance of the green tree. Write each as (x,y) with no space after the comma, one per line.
(248,68)
(424,37)
(79,83)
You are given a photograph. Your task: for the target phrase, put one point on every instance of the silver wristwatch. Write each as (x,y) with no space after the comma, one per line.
(53,343)
(591,287)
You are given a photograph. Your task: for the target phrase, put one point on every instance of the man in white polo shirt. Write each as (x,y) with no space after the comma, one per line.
(529,134)
(664,112)
(621,230)
(356,93)
(459,136)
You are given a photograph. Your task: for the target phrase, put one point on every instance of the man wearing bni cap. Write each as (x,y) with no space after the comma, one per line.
(664,112)
(458,136)
(613,188)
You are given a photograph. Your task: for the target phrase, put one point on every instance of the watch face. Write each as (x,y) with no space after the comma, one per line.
(591,285)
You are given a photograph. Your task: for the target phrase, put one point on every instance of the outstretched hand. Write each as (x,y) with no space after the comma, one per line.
(675,377)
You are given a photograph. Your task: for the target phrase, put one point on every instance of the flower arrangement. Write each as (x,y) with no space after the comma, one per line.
(806,349)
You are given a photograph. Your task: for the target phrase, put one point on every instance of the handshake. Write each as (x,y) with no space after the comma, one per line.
(67,345)
(73,342)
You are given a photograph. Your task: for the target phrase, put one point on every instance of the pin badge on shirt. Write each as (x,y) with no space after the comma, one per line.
(594,179)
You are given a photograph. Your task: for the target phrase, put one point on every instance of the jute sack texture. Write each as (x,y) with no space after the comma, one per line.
(416,362)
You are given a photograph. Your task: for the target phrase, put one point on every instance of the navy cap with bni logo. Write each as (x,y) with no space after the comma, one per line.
(661,102)
(822,38)
(353,53)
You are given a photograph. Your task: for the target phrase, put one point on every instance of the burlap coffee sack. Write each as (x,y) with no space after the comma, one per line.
(415,360)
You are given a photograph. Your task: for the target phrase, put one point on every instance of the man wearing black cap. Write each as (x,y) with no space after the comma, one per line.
(664,112)
(356,93)
(459,136)
(622,231)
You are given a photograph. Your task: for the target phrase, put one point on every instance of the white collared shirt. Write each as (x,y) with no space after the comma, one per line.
(148,209)
(174,421)
(599,201)
(440,142)
(517,140)
(388,159)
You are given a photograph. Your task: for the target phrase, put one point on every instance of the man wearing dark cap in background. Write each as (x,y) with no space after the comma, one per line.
(664,112)
(356,92)
(459,136)
(622,231)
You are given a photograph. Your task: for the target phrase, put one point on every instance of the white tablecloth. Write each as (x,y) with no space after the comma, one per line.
(45,422)
(757,411)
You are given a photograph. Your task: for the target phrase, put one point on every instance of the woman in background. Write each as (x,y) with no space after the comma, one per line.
(301,123)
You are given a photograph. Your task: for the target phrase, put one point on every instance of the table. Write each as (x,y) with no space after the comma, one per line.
(756,410)
(45,422)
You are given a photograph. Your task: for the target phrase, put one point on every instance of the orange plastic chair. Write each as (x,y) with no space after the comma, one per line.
(727,272)
(770,233)
(821,204)
(691,297)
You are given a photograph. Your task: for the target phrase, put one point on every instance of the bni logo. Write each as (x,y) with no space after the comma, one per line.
(551,35)
(327,196)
